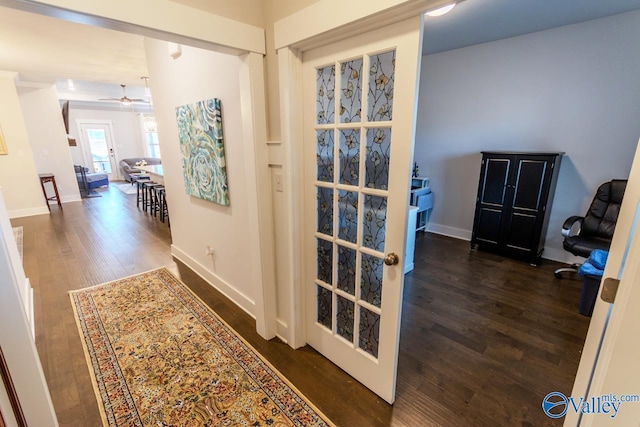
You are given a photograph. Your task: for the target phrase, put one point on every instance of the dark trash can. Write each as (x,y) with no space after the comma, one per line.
(588,295)
(591,272)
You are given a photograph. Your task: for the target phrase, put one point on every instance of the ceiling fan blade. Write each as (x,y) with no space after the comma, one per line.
(138,100)
(109,99)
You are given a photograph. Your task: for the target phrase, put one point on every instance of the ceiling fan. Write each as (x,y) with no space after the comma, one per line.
(125,100)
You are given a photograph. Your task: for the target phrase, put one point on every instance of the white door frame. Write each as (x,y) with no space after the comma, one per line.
(86,150)
(254,119)
(602,334)
(293,35)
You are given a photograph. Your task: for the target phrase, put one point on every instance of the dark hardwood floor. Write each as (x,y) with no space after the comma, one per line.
(483,340)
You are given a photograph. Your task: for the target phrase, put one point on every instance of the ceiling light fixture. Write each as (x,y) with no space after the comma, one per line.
(71,85)
(442,10)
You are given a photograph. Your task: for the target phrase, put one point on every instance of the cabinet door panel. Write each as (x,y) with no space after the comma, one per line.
(488,229)
(521,232)
(529,184)
(496,173)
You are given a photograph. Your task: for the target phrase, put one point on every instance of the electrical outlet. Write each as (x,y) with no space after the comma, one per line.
(209,251)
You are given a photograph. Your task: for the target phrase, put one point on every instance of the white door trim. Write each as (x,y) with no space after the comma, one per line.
(333,20)
(163,20)
(290,79)
(254,119)
(595,359)
(290,46)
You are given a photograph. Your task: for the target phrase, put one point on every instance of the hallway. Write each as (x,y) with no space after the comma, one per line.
(483,338)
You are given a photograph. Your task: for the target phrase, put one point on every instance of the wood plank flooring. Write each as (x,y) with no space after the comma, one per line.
(483,340)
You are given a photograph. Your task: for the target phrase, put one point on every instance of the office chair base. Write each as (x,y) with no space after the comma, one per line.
(573,269)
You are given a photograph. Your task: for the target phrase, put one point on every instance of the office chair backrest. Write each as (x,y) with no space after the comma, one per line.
(600,220)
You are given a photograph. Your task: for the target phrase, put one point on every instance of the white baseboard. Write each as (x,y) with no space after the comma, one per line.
(457,233)
(237,297)
(409,267)
(19,213)
(282,330)
(72,198)
(552,254)
(560,255)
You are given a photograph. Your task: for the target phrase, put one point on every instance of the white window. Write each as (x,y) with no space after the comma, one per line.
(150,129)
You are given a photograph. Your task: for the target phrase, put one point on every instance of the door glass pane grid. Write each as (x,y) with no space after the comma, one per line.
(368,332)
(349,156)
(324,210)
(324,261)
(381,86)
(378,150)
(324,155)
(355,312)
(348,207)
(347,270)
(374,217)
(351,91)
(345,318)
(324,305)
(325,94)
(370,280)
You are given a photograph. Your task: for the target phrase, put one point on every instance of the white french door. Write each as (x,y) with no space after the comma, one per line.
(359,120)
(98,148)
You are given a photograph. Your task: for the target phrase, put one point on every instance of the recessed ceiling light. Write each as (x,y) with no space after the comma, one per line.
(441,10)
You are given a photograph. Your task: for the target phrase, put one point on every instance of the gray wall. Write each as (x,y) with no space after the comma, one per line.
(574,89)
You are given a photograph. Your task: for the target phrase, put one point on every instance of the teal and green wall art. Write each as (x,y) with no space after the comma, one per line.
(202,149)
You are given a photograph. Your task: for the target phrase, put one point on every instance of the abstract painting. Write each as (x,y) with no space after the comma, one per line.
(202,148)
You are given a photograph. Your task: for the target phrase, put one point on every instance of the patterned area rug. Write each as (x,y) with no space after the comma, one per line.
(159,356)
(127,188)
(17,234)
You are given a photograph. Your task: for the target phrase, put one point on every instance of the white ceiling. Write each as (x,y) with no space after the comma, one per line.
(45,49)
(480,21)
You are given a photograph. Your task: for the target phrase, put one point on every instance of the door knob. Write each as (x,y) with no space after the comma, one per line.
(391,259)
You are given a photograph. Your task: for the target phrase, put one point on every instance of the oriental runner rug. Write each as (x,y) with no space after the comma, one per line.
(159,356)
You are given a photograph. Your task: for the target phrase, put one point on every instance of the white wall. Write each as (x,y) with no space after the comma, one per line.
(196,223)
(18,175)
(275,10)
(574,89)
(16,336)
(43,119)
(127,133)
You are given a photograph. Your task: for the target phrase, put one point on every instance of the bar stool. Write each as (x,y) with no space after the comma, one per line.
(146,194)
(140,191)
(49,177)
(164,210)
(154,199)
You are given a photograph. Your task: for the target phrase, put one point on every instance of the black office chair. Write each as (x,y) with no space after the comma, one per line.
(595,229)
